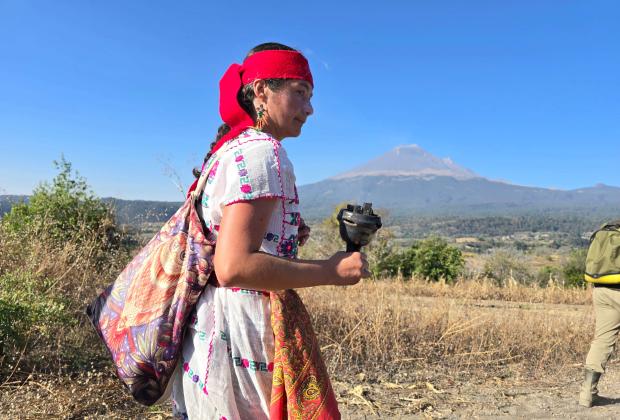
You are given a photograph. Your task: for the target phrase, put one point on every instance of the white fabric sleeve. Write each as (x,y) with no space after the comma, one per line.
(254,169)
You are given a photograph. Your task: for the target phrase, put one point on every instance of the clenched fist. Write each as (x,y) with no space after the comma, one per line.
(347,268)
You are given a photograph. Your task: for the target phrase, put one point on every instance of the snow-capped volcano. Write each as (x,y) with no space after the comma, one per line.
(409,160)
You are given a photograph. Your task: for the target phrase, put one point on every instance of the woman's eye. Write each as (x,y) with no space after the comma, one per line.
(301,92)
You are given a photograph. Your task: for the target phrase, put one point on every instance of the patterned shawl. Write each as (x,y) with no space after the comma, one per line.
(301,388)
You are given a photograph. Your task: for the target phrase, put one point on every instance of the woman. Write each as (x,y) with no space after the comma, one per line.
(233,366)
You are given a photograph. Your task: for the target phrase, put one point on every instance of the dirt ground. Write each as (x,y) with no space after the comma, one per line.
(101,397)
(489,399)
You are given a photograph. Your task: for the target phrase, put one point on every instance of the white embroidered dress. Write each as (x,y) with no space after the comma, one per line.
(227,364)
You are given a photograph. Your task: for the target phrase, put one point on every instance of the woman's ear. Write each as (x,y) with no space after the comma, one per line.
(260,90)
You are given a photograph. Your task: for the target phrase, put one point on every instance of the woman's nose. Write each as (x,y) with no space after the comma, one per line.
(309,109)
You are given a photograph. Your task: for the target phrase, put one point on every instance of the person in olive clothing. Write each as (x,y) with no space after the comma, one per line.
(603,271)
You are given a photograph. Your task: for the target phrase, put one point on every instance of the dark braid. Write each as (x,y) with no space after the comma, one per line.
(246,97)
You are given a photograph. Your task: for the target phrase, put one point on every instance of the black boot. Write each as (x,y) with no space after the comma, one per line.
(589,389)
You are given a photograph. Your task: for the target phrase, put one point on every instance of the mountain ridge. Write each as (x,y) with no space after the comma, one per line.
(406,180)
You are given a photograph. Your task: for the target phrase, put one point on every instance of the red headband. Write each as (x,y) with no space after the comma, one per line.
(270,64)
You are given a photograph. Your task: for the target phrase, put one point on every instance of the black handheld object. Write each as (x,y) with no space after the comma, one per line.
(357,225)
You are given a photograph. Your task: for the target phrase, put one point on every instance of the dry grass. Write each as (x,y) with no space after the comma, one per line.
(68,273)
(381,332)
(385,327)
(484,289)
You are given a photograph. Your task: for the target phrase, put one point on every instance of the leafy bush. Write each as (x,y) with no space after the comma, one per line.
(436,259)
(432,258)
(61,209)
(29,315)
(393,263)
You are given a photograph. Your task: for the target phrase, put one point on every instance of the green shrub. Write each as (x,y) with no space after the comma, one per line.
(29,315)
(393,263)
(432,258)
(436,259)
(573,268)
(62,225)
(61,210)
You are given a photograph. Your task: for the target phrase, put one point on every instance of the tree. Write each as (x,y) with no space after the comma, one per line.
(65,210)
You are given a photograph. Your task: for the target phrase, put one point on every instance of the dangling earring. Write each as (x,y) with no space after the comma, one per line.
(261,117)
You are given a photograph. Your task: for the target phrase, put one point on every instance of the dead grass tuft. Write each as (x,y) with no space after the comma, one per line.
(385,327)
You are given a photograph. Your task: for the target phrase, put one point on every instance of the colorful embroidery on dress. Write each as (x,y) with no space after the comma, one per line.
(244,179)
(212,172)
(293,218)
(195,378)
(209,356)
(249,292)
(253,365)
(288,247)
(272,237)
(260,166)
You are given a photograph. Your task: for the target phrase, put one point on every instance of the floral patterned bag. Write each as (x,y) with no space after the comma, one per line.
(141,317)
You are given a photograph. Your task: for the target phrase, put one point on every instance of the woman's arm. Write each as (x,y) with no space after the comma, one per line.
(239,263)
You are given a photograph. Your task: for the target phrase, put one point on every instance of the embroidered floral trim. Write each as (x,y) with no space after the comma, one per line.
(256,196)
(212,172)
(195,378)
(272,237)
(293,218)
(249,292)
(288,247)
(209,356)
(244,179)
(253,365)
(244,140)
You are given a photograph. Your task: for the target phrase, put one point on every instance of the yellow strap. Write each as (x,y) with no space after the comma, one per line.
(608,279)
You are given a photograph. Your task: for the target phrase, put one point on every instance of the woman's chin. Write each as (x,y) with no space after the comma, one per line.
(297,130)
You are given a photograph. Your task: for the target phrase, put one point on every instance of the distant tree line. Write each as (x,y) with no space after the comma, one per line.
(493,226)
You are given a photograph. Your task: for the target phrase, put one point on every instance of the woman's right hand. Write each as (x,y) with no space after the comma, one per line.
(347,268)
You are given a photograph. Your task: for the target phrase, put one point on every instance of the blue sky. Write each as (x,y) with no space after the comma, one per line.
(524,91)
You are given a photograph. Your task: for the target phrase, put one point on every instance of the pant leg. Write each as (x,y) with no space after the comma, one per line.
(607,315)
